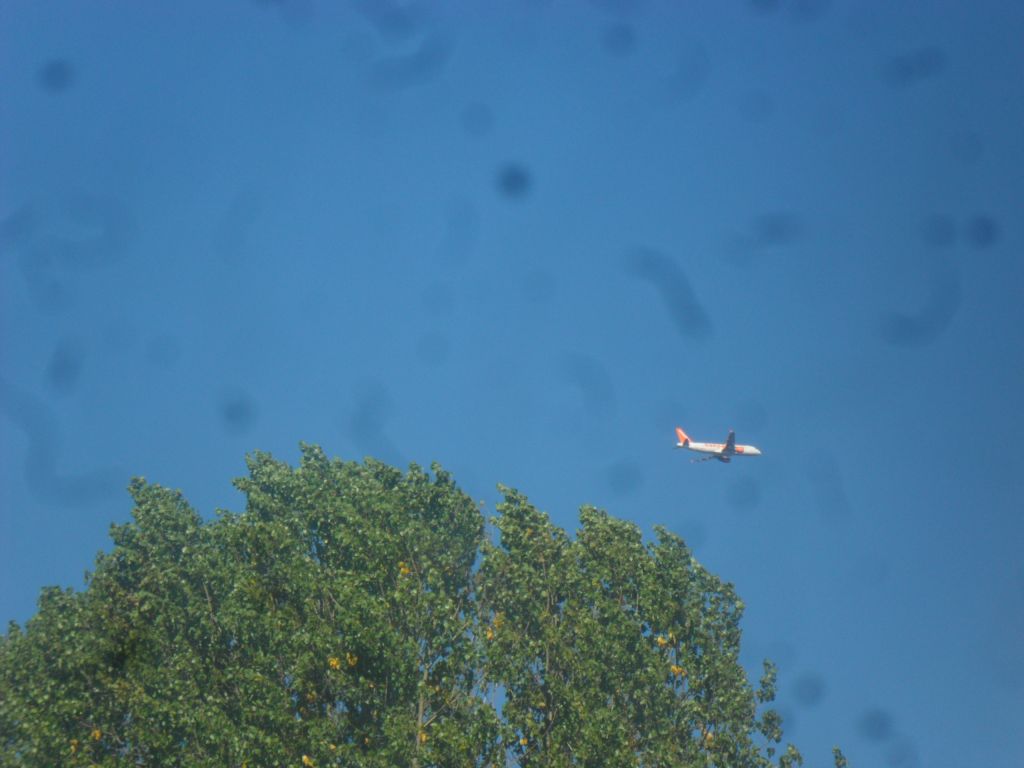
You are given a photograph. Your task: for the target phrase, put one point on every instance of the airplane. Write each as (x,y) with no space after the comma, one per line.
(721,451)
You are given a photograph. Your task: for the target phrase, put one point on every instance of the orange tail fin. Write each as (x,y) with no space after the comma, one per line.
(683,438)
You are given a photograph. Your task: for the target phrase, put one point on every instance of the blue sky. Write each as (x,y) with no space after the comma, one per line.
(527,241)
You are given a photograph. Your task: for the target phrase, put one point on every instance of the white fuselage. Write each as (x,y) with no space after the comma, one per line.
(719,448)
(721,451)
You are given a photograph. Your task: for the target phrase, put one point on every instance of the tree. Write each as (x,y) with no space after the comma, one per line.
(356,615)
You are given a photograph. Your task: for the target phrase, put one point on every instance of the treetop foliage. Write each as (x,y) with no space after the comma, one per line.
(356,615)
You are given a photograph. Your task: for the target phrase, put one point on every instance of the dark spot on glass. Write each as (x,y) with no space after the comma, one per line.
(619,40)
(938,231)
(42,475)
(875,725)
(65,366)
(621,8)
(514,181)
(827,487)
(776,229)
(56,241)
(624,477)
(982,231)
(768,231)
(82,232)
(902,330)
(17,229)
(299,12)
(693,532)
(809,690)
(941,305)
(291,11)
(693,67)
(809,10)
(420,67)
(50,290)
(914,67)
(238,413)
(56,75)
(373,409)
(743,494)
(393,21)
(902,754)
(477,119)
(686,313)
(591,378)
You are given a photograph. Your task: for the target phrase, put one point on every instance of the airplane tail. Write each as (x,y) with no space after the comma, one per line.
(684,439)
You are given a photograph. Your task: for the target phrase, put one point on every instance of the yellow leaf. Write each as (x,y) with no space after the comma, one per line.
(96,734)
(307,760)
(334,662)
(352,659)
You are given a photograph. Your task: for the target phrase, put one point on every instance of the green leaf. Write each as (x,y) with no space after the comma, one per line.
(358,615)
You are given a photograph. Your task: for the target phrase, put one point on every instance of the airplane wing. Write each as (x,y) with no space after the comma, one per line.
(730,443)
